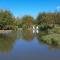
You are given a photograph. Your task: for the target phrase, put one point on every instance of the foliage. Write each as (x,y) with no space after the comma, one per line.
(44,20)
(27,21)
(19,22)
(43,27)
(6,20)
(49,18)
(53,39)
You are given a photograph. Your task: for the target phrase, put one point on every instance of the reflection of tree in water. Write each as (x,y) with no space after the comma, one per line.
(54,48)
(27,35)
(6,41)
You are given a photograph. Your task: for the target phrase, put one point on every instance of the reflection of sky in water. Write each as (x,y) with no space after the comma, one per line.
(29,50)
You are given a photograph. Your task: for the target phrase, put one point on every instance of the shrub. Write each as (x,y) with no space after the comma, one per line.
(43,27)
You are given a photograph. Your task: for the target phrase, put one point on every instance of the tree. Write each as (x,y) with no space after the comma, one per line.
(6,19)
(19,22)
(27,21)
(49,18)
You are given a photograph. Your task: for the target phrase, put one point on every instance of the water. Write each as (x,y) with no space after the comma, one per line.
(25,46)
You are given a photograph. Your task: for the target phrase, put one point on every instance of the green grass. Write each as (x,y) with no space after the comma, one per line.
(51,38)
(55,30)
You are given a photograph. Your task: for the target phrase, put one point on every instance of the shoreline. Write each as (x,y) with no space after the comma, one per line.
(5,31)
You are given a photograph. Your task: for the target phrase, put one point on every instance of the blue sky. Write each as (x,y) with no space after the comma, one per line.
(29,7)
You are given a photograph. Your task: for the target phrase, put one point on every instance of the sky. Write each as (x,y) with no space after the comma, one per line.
(29,7)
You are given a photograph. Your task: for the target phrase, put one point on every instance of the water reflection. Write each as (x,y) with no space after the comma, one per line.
(6,41)
(25,45)
(27,35)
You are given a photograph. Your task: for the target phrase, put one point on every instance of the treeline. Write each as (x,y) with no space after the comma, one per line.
(9,21)
(49,18)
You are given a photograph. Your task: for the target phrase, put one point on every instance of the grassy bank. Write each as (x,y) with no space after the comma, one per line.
(53,37)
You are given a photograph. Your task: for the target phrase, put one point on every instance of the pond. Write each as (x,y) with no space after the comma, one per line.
(25,45)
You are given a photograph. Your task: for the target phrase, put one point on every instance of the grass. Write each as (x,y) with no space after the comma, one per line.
(51,39)
(53,36)
(55,30)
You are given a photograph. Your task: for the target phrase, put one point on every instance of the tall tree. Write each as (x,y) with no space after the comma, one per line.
(27,20)
(6,18)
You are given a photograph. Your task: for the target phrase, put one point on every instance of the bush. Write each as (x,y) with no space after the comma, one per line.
(43,27)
